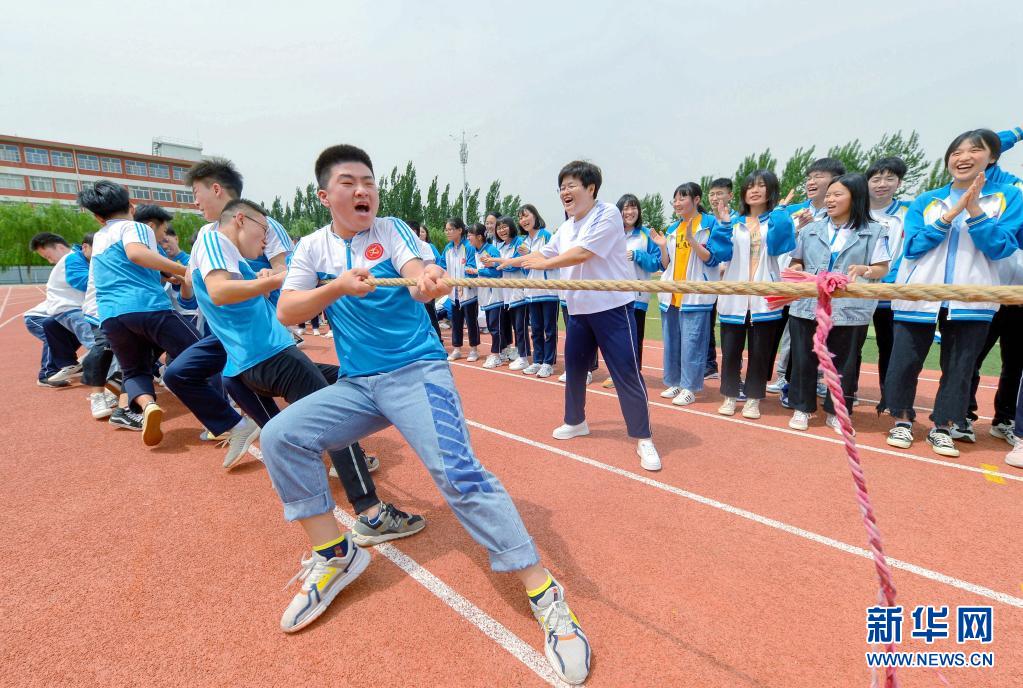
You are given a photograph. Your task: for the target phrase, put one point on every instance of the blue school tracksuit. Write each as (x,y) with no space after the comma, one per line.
(464,300)
(491,300)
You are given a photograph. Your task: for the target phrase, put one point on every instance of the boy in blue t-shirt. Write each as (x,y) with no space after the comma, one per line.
(262,356)
(392,372)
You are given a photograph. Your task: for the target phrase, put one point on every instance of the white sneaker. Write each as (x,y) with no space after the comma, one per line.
(727,407)
(100,404)
(241,438)
(649,459)
(322,580)
(546,370)
(531,369)
(566,645)
(518,363)
(942,443)
(444,325)
(1015,457)
(671,392)
(455,354)
(751,409)
(832,422)
(567,432)
(684,398)
(900,436)
(66,373)
(1004,431)
(473,355)
(800,420)
(493,361)
(589,377)
(316,332)
(329,335)
(563,377)
(776,386)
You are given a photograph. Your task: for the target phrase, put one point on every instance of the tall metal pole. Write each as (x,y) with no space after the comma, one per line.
(463,155)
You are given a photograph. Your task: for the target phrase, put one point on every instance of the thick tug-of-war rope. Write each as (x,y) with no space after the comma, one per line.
(794,290)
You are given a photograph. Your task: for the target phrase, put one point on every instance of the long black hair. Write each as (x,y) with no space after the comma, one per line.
(691,190)
(859,204)
(531,209)
(770,180)
(631,200)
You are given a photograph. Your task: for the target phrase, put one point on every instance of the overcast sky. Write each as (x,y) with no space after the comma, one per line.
(656,93)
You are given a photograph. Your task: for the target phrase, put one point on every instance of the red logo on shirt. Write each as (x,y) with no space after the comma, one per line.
(374,251)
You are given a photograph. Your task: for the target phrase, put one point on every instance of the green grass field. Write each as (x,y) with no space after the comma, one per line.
(992,364)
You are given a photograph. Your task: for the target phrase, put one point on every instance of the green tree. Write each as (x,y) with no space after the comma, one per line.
(277,210)
(912,153)
(851,155)
(652,206)
(473,211)
(445,205)
(432,214)
(186,225)
(510,205)
(793,175)
(751,163)
(493,199)
(937,176)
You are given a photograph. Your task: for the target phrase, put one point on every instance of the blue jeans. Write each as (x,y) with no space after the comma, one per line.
(686,337)
(34,325)
(75,322)
(421,402)
(194,376)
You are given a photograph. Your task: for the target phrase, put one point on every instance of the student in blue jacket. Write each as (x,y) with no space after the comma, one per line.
(458,257)
(491,300)
(955,234)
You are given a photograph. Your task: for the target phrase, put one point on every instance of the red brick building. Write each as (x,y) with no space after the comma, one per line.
(37,171)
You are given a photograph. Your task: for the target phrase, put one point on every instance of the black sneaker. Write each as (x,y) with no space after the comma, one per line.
(54,385)
(965,434)
(129,420)
(941,442)
(392,523)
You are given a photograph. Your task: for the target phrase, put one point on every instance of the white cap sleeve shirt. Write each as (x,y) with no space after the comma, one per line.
(602,233)
(61,297)
(121,285)
(386,329)
(249,330)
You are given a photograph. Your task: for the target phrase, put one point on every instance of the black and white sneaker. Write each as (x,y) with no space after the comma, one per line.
(941,442)
(966,435)
(53,385)
(900,436)
(129,420)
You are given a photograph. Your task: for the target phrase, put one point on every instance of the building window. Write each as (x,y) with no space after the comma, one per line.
(41,184)
(37,156)
(10,153)
(111,165)
(12,181)
(159,170)
(88,185)
(162,195)
(61,159)
(88,162)
(139,192)
(184,197)
(179,173)
(135,167)
(66,186)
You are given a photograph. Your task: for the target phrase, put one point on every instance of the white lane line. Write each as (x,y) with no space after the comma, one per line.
(762,426)
(936,576)
(488,625)
(13,317)
(7,298)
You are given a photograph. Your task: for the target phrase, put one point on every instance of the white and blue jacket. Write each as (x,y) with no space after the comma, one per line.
(1009,138)
(893,219)
(455,259)
(964,252)
(489,297)
(778,239)
(513,298)
(646,259)
(535,243)
(715,238)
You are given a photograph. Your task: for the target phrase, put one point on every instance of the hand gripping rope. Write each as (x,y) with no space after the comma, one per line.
(825,287)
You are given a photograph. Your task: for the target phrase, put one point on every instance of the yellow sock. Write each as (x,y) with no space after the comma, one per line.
(334,548)
(533,594)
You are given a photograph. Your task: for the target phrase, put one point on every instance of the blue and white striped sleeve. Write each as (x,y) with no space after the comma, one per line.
(139,233)
(404,244)
(277,239)
(216,253)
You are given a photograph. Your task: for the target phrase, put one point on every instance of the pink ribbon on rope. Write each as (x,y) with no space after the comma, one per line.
(827,283)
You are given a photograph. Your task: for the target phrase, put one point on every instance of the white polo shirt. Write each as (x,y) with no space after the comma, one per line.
(602,233)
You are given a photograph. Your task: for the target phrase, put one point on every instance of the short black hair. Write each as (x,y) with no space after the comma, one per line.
(170,231)
(219,170)
(893,164)
(509,222)
(586,172)
(627,200)
(531,209)
(457,223)
(104,199)
(859,206)
(43,239)
(832,166)
(978,137)
(414,224)
(87,238)
(336,155)
(240,205)
(495,213)
(722,183)
(770,180)
(690,190)
(146,213)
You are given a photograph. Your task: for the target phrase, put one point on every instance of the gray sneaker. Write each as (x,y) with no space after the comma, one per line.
(566,646)
(322,579)
(239,441)
(392,524)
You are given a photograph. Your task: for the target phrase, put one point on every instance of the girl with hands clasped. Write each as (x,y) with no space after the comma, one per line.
(459,259)
(685,318)
(956,234)
(849,242)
